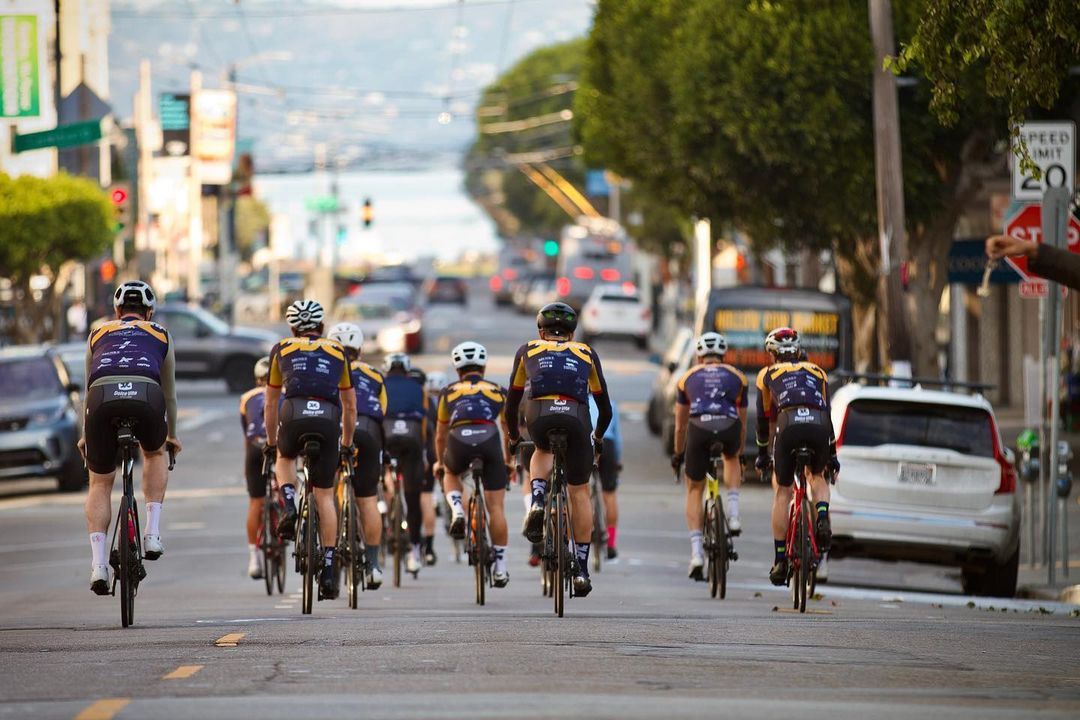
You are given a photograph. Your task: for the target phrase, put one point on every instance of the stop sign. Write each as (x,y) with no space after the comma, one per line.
(1027,225)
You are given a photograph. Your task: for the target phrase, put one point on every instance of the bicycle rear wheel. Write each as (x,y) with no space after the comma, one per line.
(478,531)
(561,559)
(126,562)
(266,544)
(311,564)
(798,585)
(808,572)
(598,533)
(353,569)
(396,517)
(721,555)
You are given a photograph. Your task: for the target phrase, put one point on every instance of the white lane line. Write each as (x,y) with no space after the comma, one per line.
(205,417)
(185,526)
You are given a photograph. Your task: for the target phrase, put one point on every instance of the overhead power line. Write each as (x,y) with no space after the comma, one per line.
(293,10)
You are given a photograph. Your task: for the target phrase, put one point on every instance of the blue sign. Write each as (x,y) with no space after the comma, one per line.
(596,183)
(967,261)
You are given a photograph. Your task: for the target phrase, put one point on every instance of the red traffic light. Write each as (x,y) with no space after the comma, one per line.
(119,196)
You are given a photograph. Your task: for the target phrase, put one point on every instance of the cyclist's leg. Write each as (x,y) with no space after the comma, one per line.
(456,462)
(495,482)
(609,484)
(732,442)
(427,511)
(100,451)
(783,479)
(256,488)
(698,442)
(817,437)
(579,465)
(288,449)
(368,442)
(151,430)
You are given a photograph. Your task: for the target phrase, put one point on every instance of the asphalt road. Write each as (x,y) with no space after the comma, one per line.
(882,640)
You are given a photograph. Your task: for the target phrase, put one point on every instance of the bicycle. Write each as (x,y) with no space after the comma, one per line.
(308,550)
(477,540)
(126,558)
(717,542)
(351,550)
(557,558)
(271,545)
(599,533)
(802,550)
(396,537)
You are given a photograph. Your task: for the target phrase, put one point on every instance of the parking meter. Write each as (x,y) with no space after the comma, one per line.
(1027,442)
(1063,480)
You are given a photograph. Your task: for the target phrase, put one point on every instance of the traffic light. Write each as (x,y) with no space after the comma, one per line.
(367,213)
(551,248)
(120,196)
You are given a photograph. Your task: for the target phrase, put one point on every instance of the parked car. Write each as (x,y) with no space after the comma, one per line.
(513,263)
(40,418)
(658,410)
(389,316)
(616,311)
(925,477)
(541,292)
(522,287)
(73,354)
(206,347)
(446,289)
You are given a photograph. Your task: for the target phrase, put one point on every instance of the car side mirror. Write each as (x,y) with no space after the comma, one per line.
(202,331)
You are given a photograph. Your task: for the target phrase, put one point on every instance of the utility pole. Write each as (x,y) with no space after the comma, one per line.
(890,195)
(195,234)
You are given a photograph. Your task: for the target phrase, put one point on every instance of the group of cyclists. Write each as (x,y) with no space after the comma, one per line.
(315,384)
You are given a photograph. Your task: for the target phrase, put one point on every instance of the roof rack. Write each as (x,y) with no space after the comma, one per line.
(911,382)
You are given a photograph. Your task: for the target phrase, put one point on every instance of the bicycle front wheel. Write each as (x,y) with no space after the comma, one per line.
(311,550)
(353,570)
(807,571)
(798,585)
(126,561)
(396,518)
(562,559)
(266,544)
(477,530)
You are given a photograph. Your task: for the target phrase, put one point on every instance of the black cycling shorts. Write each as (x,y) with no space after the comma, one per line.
(404,440)
(609,467)
(725,434)
(253,471)
(468,442)
(109,402)
(571,416)
(794,428)
(367,439)
(311,418)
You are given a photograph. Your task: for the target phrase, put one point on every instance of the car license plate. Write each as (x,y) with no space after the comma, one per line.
(917,473)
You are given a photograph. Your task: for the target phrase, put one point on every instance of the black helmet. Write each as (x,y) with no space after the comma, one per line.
(557,317)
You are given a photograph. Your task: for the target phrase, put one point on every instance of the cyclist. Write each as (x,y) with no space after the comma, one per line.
(252,404)
(370,390)
(470,413)
(562,373)
(710,409)
(794,394)
(312,372)
(130,373)
(609,467)
(433,386)
(406,435)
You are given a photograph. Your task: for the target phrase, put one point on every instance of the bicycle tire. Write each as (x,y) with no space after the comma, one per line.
(280,546)
(798,586)
(311,523)
(126,562)
(353,572)
(806,562)
(720,531)
(598,524)
(559,584)
(395,529)
(477,524)
(266,544)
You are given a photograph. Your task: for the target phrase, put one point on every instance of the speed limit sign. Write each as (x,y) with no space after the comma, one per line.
(1052,147)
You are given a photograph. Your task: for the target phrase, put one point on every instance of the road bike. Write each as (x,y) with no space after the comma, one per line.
(351,552)
(126,554)
(271,545)
(477,538)
(558,560)
(599,532)
(396,535)
(308,550)
(716,540)
(802,550)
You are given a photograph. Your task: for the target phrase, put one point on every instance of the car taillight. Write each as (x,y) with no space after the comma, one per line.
(646,313)
(510,274)
(584,273)
(562,286)
(610,275)
(496,283)
(594,312)
(1007,485)
(629,288)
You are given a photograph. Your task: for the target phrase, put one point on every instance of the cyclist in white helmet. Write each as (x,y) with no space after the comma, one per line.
(470,417)
(710,410)
(253,419)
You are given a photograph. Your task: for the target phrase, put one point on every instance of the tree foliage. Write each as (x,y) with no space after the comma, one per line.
(252,223)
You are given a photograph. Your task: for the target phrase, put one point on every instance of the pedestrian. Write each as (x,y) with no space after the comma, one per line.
(1052,263)
(76,320)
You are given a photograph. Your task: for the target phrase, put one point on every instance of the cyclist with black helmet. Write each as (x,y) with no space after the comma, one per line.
(710,410)
(406,434)
(312,372)
(470,414)
(253,420)
(130,373)
(793,394)
(369,386)
(561,375)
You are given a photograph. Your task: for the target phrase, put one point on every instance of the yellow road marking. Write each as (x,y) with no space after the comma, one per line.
(229,640)
(103,709)
(809,611)
(184,671)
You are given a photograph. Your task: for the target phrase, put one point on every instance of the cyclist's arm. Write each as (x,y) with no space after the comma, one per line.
(273,397)
(614,432)
(743,402)
(514,396)
(598,386)
(762,411)
(442,426)
(682,413)
(168,387)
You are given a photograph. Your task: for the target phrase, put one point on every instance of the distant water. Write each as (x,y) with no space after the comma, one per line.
(417,214)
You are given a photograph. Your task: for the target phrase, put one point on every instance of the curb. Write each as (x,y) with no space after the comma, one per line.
(1069,595)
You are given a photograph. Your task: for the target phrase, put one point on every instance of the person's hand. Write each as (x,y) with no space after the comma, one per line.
(677,461)
(597,446)
(438,469)
(834,466)
(347,453)
(763,461)
(176,446)
(270,452)
(999,246)
(513,445)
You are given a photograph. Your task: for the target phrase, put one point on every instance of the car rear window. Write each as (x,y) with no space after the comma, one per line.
(29,379)
(623,298)
(879,422)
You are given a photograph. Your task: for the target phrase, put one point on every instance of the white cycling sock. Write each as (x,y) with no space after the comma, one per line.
(153,518)
(454,498)
(500,557)
(695,543)
(253,551)
(99,548)
(733,503)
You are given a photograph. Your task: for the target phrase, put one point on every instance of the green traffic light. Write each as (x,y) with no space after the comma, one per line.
(551,248)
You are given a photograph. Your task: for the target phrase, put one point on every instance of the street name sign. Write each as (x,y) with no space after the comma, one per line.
(1026,224)
(1052,147)
(61,136)
(22,47)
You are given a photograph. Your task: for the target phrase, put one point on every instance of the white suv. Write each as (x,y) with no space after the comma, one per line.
(924,477)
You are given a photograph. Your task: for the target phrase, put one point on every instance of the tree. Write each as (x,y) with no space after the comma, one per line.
(47,225)
(252,223)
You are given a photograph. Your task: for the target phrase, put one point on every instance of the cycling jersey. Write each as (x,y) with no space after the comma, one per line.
(252,417)
(795,395)
(714,389)
(128,347)
(370,389)
(470,401)
(406,398)
(792,384)
(310,367)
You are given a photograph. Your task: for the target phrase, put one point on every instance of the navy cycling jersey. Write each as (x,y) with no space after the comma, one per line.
(310,367)
(128,347)
(370,389)
(791,384)
(716,389)
(471,401)
(406,399)
(558,369)
(253,414)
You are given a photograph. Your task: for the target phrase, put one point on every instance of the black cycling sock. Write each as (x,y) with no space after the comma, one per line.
(289,493)
(429,543)
(372,555)
(539,487)
(582,550)
(780,548)
(822,508)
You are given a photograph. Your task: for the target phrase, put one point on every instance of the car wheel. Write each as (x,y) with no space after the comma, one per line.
(238,377)
(73,477)
(993,579)
(652,416)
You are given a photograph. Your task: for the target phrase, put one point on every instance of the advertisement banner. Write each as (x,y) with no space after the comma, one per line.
(213,130)
(21,47)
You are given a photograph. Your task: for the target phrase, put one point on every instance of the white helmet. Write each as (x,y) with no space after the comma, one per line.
(262,368)
(348,334)
(469,353)
(436,381)
(397,360)
(783,344)
(304,315)
(135,293)
(711,343)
